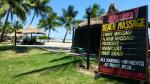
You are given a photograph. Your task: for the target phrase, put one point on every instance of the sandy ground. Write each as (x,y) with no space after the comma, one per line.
(54,45)
(58,44)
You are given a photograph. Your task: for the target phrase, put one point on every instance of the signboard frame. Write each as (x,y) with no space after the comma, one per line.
(146,47)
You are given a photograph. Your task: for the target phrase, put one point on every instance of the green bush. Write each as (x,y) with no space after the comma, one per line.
(43,37)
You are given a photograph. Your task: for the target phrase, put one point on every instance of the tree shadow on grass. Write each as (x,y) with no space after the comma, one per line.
(51,68)
(62,58)
(21,49)
(51,52)
(17,49)
(4,48)
(61,69)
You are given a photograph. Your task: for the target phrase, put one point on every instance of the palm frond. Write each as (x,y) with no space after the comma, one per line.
(96,11)
(51,22)
(40,7)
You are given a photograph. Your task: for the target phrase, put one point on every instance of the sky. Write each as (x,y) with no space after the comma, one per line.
(81,5)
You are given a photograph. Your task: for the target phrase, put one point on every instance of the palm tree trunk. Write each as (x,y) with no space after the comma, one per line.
(4,27)
(31,36)
(33,17)
(49,34)
(15,38)
(65,36)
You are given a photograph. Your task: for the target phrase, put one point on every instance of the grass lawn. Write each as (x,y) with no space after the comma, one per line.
(21,65)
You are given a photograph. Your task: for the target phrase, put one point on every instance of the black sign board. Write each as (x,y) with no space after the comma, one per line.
(124,44)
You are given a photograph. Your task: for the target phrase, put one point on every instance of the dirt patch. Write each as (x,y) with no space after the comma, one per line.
(90,72)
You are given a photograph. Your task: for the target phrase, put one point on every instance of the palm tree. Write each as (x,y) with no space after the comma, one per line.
(96,11)
(9,28)
(40,7)
(16,26)
(68,18)
(49,23)
(0,27)
(9,8)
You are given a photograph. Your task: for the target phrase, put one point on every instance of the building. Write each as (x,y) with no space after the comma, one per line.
(81,34)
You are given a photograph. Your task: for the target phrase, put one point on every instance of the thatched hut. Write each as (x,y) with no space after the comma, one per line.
(30,30)
(112,9)
(81,34)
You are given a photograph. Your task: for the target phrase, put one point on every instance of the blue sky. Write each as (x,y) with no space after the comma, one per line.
(81,5)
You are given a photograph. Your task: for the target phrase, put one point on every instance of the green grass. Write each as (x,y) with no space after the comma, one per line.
(21,65)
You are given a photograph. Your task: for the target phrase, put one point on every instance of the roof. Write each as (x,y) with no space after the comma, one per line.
(112,9)
(31,29)
(97,20)
(17,34)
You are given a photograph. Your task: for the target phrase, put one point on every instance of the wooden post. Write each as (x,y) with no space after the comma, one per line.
(73,34)
(88,12)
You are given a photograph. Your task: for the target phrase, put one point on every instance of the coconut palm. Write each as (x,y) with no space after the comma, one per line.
(16,26)
(68,18)
(49,23)
(0,27)
(96,11)
(40,7)
(9,28)
(9,8)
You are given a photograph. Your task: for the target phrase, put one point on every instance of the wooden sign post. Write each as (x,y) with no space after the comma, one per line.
(124,44)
